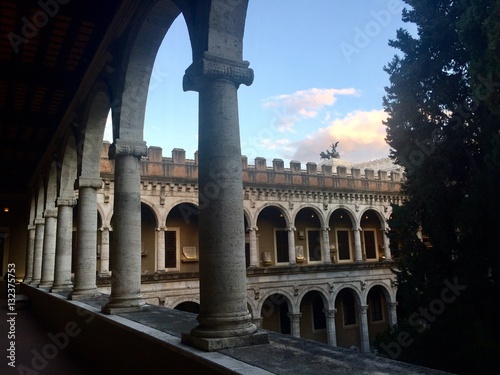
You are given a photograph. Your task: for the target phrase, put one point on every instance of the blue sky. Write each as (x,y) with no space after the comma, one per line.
(319,79)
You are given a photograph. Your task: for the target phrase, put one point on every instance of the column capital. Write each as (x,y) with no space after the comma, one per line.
(39,221)
(363,309)
(325,229)
(294,317)
(291,229)
(65,202)
(89,182)
(354,229)
(254,228)
(31,227)
(392,305)
(127,148)
(212,66)
(103,228)
(50,212)
(330,313)
(160,228)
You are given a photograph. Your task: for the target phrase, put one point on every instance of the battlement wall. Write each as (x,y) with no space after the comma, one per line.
(155,166)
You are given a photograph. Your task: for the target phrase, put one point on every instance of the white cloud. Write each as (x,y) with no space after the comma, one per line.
(361,137)
(289,109)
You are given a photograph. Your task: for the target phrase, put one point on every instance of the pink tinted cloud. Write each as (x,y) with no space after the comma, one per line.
(361,137)
(300,105)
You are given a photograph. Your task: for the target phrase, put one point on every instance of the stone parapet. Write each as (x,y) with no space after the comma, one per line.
(324,177)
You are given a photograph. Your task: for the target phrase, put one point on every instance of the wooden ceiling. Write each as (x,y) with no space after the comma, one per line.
(45,49)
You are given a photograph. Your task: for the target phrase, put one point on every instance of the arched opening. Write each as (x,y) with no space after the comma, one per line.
(341,236)
(188,306)
(181,238)
(148,239)
(273,236)
(372,241)
(313,319)
(308,236)
(347,319)
(274,314)
(378,319)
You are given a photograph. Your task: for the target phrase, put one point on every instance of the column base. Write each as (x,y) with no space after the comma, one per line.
(212,344)
(45,285)
(61,288)
(117,305)
(27,280)
(35,283)
(83,295)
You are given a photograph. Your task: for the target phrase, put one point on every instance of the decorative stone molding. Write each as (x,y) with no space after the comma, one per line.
(39,221)
(65,202)
(50,212)
(330,313)
(216,67)
(127,148)
(89,182)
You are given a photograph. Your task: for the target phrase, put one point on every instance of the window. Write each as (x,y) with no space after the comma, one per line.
(349,309)
(375,303)
(314,245)
(281,236)
(319,319)
(343,245)
(171,249)
(369,239)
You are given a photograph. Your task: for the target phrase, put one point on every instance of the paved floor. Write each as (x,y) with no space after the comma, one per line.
(31,340)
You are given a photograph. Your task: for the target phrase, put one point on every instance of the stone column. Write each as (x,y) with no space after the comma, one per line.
(104,258)
(49,248)
(160,249)
(126,256)
(37,254)
(295,324)
(291,246)
(254,256)
(224,320)
(392,312)
(357,245)
(387,247)
(331,334)
(86,245)
(62,275)
(29,254)
(325,246)
(363,329)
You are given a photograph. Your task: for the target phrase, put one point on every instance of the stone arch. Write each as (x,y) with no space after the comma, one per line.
(153,209)
(90,143)
(51,187)
(274,312)
(149,223)
(313,303)
(319,213)
(349,212)
(289,299)
(357,293)
(377,213)
(181,299)
(347,318)
(69,169)
(321,291)
(188,306)
(187,206)
(148,31)
(279,207)
(389,293)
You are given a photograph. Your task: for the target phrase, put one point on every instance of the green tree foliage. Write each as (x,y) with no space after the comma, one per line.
(444,129)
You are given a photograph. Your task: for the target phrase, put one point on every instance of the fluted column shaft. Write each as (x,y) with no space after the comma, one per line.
(363,329)
(64,243)
(387,246)
(254,256)
(357,245)
(393,313)
(104,257)
(325,246)
(37,255)
(29,254)
(160,249)
(331,332)
(126,256)
(295,324)
(86,245)
(292,257)
(49,248)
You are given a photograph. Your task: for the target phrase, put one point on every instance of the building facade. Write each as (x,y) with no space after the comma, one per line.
(316,251)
